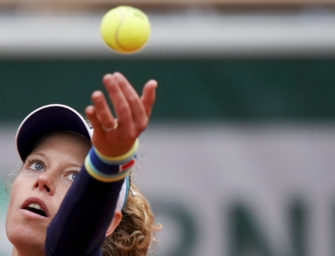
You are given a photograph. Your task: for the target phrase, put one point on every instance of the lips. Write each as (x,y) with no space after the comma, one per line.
(36,206)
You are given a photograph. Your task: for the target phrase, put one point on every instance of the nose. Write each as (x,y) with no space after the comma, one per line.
(44,183)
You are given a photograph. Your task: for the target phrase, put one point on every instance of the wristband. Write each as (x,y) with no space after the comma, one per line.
(101,176)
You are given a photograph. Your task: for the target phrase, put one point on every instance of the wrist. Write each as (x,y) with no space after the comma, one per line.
(119,159)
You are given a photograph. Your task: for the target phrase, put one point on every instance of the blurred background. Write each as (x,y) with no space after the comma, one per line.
(239,157)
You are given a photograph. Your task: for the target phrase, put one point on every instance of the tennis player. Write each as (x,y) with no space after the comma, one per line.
(74,194)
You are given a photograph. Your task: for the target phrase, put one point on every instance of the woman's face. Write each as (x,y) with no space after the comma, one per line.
(40,187)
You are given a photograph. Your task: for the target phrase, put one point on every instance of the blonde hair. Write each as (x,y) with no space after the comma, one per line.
(136,231)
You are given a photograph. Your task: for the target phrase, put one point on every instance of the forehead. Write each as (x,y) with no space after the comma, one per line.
(64,141)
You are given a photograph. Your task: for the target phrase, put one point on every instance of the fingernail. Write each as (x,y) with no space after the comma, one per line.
(89,109)
(96,94)
(117,76)
(107,76)
(154,82)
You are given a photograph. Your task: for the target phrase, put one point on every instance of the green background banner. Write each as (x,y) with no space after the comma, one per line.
(189,89)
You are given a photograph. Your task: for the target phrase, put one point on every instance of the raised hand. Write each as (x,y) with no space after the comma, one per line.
(115,135)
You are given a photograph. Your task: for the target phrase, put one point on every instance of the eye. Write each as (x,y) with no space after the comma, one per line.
(72,175)
(36,166)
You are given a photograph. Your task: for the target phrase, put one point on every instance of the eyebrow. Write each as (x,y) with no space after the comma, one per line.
(37,153)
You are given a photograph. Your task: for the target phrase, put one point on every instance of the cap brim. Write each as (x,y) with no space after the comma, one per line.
(45,120)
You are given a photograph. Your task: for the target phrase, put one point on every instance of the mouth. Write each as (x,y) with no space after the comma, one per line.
(35,206)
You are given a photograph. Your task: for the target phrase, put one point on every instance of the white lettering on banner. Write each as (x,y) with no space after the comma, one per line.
(237,190)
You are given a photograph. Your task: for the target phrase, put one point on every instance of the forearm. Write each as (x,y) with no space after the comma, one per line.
(80,225)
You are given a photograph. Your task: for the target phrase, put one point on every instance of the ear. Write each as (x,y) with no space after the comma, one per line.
(115,222)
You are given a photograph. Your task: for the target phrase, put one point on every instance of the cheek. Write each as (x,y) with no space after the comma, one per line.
(59,195)
(62,190)
(16,192)
(14,203)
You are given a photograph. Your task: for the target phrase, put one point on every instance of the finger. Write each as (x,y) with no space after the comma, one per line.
(136,107)
(92,117)
(149,96)
(119,101)
(102,110)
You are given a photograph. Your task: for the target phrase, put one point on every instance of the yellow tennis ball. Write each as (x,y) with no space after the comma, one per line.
(125,29)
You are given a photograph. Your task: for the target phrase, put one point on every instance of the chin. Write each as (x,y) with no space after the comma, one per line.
(26,237)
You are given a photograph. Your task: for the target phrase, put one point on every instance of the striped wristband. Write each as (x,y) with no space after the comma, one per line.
(103,169)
